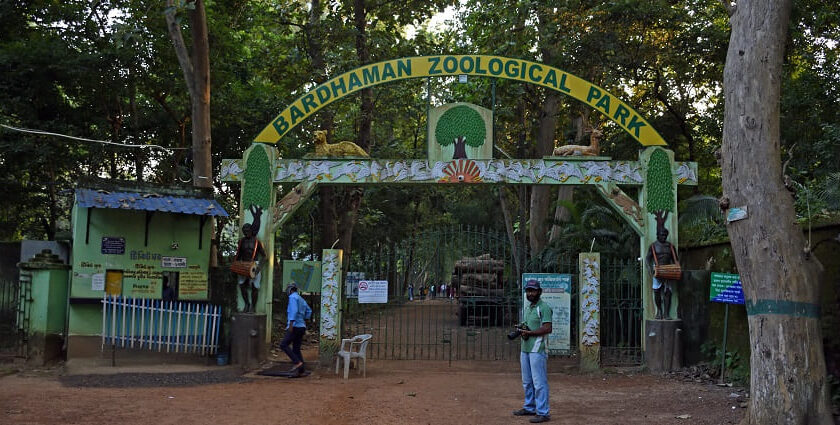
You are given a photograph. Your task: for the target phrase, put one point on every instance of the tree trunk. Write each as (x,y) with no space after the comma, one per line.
(197,76)
(514,247)
(360,21)
(780,280)
(201,142)
(460,148)
(326,194)
(541,195)
(561,213)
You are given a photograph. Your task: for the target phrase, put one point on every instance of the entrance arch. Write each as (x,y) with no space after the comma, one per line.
(522,70)
(261,167)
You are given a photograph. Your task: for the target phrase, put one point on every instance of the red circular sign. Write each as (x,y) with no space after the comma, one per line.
(363,286)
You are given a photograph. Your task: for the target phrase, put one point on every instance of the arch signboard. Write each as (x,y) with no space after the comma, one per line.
(451,65)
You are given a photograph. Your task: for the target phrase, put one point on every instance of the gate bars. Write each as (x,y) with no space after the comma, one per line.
(470,321)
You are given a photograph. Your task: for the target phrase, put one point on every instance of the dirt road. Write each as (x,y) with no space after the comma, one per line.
(394,392)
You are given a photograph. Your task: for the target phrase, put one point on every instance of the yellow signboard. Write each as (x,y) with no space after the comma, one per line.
(192,285)
(450,65)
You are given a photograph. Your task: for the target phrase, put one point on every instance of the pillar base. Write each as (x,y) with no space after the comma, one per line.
(663,349)
(247,335)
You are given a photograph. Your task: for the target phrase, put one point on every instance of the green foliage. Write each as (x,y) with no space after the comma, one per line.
(737,369)
(460,122)
(660,189)
(701,221)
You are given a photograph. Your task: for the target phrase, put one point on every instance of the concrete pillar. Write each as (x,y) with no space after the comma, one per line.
(589,326)
(330,329)
(46,307)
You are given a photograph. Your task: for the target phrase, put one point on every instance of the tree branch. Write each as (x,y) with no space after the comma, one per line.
(730,8)
(180,47)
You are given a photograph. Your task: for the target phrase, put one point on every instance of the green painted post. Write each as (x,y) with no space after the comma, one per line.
(662,190)
(589,296)
(257,192)
(330,329)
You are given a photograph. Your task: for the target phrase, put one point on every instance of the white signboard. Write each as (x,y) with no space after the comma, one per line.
(174,262)
(97,282)
(373,291)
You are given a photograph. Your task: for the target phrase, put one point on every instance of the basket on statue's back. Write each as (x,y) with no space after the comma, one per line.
(666,271)
(246,268)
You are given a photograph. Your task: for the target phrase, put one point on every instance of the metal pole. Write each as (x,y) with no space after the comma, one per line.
(493,113)
(428,109)
(723,350)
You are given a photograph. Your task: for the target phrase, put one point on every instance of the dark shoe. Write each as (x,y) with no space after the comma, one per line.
(523,412)
(538,419)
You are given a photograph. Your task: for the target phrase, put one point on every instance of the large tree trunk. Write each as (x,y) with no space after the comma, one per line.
(780,280)
(201,142)
(541,195)
(353,196)
(196,69)
(327,194)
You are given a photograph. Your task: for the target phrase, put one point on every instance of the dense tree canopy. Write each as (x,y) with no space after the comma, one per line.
(106,71)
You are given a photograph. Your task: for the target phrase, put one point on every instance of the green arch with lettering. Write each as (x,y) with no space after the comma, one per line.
(449,65)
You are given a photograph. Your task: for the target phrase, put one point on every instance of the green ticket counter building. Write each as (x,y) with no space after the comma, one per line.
(135,242)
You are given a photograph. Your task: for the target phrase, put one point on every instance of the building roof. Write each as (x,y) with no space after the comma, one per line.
(90,198)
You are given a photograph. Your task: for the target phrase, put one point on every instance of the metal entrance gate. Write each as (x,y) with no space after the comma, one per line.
(14,316)
(480,303)
(621,313)
(466,318)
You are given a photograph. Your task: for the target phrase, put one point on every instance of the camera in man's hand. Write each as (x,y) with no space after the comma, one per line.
(517,332)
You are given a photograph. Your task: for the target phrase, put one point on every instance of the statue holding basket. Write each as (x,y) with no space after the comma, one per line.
(665,270)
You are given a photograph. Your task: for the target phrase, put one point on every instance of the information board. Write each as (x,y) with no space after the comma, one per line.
(173,262)
(113,245)
(192,285)
(352,284)
(306,275)
(726,288)
(373,291)
(557,293)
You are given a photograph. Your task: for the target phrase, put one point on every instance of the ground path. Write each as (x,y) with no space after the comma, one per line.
(394,392)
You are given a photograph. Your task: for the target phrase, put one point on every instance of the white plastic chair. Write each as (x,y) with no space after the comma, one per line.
(356,349)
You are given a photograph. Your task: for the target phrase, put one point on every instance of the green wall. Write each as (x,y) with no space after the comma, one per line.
(141,263)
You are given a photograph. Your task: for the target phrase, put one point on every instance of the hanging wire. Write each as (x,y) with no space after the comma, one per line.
(82,139)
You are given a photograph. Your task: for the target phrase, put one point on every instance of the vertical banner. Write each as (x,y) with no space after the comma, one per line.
(330,332)
(557,293)
(589,328)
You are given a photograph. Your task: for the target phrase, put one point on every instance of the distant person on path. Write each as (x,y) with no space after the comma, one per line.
(297,312)
(533,358)
(411,292)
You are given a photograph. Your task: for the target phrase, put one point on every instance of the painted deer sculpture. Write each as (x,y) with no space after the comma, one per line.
(593,149)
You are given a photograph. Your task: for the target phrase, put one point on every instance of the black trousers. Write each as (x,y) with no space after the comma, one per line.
(294,336)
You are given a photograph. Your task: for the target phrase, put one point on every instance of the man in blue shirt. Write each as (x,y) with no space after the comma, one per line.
(534,357)
(296,313)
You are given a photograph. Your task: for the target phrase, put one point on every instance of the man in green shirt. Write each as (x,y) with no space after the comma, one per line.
(533,358)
